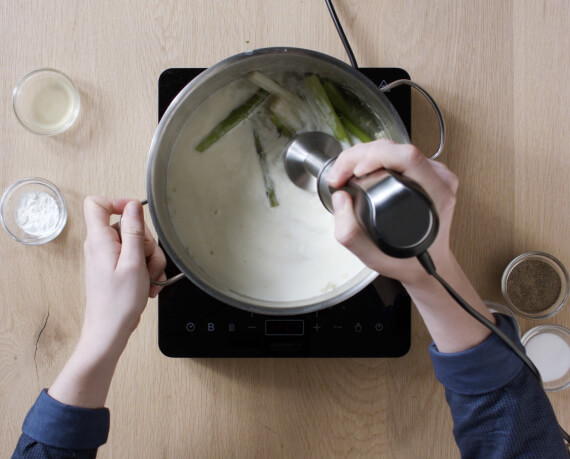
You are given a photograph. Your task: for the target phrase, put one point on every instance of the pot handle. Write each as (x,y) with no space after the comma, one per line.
(436,109)
(167,282)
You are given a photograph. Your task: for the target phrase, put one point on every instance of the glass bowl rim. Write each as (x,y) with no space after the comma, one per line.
(60,74)
(558,329)
(62,219)
(565,279)
(504,309)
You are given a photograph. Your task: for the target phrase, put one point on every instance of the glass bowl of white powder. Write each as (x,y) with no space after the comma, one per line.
(33,211)
(548,346)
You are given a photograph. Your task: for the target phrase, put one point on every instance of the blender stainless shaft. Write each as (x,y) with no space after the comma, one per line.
(395,211)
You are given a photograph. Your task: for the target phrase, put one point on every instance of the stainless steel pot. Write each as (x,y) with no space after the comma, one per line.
(196,92)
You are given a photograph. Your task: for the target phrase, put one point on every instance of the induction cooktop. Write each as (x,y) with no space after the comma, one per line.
(376,322)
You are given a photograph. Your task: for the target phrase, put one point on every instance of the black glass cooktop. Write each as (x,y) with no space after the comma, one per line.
(373,323)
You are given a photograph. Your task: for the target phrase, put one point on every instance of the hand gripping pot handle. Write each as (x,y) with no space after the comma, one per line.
(165,283)
(436,109)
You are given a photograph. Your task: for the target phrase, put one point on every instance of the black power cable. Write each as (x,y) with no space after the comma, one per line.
(341,33)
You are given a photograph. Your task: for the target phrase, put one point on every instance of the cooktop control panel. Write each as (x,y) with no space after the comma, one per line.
(375,322)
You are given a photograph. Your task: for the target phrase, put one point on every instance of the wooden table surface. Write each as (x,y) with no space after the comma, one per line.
(499,71)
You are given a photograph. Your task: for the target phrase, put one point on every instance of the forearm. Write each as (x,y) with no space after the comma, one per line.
(451,328)
(86,377)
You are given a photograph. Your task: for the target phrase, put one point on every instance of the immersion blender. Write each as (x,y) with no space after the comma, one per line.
(395,212)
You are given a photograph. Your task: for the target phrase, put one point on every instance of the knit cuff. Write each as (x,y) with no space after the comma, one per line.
(64,426)
(483,368)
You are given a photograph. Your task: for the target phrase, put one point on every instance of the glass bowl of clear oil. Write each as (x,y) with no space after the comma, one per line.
(46,101)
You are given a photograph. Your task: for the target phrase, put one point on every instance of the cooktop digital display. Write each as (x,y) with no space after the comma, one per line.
(375,322)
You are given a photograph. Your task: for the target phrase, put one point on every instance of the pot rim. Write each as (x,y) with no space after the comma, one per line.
(366,275)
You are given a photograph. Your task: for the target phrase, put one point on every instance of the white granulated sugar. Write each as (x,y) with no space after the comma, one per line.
(37,214)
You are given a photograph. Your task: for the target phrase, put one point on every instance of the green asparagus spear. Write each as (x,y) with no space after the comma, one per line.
(286,106)
(233,119)
(326,108)
(355,130)
(287,113)
(271,86)
(281,128)
(269,186)
(350,115)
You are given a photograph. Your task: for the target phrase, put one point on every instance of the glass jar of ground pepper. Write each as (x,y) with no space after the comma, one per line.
(535,285)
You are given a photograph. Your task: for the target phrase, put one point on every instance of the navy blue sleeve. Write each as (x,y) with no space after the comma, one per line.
(55,430)
(499,407)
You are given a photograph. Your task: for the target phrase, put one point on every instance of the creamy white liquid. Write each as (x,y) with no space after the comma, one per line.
(221,213)
(46,103)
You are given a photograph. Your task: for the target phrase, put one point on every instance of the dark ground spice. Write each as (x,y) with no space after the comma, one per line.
(533,286)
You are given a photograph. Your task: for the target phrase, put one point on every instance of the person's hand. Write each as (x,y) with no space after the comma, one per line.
(438,182)
(117,283)
(452,329)
(118,269)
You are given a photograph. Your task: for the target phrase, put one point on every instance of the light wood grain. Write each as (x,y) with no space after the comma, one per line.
(499,71)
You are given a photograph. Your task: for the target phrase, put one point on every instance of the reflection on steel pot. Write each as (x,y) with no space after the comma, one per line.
(188,208)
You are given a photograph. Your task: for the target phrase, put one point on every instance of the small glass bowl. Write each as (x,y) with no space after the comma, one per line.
(502,309)
(11,201)
(553,365)
(556,265)
(46,102)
